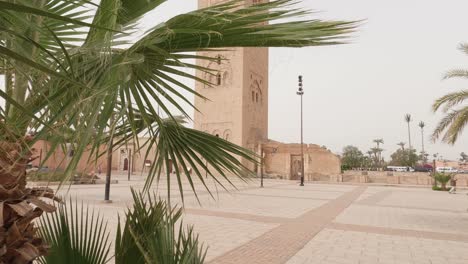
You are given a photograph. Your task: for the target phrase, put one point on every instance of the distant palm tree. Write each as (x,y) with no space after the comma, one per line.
(455,119)
(402,145)
(422,125)
(376,152)
(408,120)
(378,142)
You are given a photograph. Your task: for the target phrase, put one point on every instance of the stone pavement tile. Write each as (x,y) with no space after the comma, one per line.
(224,234)
(290,193)
(404,250)
(427,199)
(282,242)
(241,216)
(316,187)
(263,206)
(461,237)
(404,218)
(376,197)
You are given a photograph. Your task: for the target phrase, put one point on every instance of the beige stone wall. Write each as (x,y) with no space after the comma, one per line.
(404,178)
(318,163)
(59,159)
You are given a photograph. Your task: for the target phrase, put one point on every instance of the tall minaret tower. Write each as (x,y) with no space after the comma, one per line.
(237,109)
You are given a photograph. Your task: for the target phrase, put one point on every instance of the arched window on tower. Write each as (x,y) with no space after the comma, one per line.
(256,97)
(218,59)
(218,79)
(253,96)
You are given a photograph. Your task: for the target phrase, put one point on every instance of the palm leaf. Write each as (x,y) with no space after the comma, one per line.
(450,100)
(151,235)
(76,235)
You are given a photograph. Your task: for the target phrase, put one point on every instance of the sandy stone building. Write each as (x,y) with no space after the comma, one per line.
(237,110)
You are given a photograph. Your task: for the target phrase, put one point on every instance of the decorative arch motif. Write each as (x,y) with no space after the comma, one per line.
(257,94)
(220,74)
(227,135)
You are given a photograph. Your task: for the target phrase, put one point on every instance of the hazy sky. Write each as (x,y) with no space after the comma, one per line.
(359,92)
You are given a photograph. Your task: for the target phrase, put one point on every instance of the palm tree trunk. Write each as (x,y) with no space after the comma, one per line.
(19,206)
(422,141)
(409,137)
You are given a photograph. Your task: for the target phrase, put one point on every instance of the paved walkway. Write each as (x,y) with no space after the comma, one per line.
(284,241)
(317,223)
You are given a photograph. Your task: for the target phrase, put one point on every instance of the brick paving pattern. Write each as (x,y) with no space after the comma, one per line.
(281,243)
(314,224)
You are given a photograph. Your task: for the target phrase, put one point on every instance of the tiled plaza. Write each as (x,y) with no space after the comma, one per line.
(317,223)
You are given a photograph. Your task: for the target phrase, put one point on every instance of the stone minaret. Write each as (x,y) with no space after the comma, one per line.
(237,109)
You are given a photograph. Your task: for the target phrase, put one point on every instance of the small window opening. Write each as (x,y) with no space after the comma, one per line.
(218,79)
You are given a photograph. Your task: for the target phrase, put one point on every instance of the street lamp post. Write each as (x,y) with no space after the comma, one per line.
(300,92)
(262,156)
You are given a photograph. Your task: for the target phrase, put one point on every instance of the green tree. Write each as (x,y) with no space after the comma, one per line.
(62,72)
(352,157)
(451,105)
(404,158)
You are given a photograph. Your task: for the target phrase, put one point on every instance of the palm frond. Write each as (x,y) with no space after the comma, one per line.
(151,235)
(452,124)
(133,9)
(456,73)
(463,47)
(75,234)
(408,118)
(450,100)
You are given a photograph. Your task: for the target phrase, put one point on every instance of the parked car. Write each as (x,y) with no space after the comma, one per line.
(446,170)
(422,169)
(399,168)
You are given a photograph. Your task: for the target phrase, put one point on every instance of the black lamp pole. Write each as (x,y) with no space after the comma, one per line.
(300,92)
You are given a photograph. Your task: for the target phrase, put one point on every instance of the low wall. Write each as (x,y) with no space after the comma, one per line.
(388,177)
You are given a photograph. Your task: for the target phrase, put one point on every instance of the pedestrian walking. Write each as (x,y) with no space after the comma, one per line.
(453,183)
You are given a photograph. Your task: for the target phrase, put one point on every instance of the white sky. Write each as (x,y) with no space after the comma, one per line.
(361,91)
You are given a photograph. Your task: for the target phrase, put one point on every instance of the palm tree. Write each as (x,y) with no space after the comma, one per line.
(452,124)
(408,120)
(402,145)
(422,125)
(62,72)
(378,142)
(376,152)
